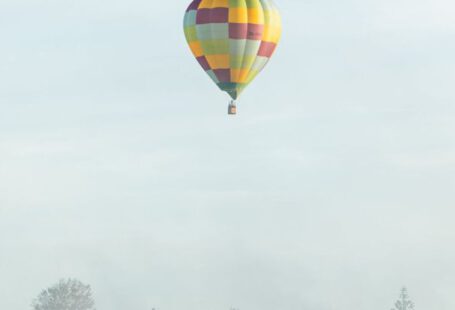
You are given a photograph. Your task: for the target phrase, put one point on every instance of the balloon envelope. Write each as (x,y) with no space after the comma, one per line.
(232,39)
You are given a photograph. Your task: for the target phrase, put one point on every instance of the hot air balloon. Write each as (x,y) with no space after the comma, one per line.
(232,40)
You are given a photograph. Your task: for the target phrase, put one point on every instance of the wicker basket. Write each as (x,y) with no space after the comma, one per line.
(232,109)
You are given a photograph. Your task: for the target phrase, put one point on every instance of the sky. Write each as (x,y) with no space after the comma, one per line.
(332,188)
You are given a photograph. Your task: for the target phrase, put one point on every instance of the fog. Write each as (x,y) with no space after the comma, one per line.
(332,188)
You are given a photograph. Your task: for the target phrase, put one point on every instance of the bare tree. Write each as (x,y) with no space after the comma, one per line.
(68,294)
(404,303)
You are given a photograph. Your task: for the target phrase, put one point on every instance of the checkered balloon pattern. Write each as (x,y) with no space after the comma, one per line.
(232,39)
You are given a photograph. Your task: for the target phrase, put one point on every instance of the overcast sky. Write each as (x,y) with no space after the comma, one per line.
(333,187)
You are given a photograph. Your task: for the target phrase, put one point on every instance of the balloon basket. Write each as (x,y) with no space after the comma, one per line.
(232,109)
